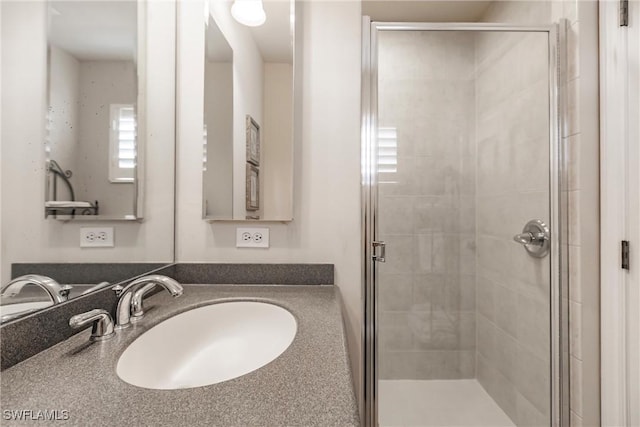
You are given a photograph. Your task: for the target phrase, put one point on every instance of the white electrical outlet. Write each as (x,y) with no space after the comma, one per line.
(96,237)
(252,237)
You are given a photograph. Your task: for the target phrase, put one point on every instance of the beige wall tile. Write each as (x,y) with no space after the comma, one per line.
(528,414)
(533,326)
(573,108)
(426,365)
(573,161)
(395,291)
(575,284)
(394,332)
(573,59)
(498,387)
(506,309)
(576,386)
(396,214)
(400,254)
(576,420)
(532,156)
(533,380)
(485,300)
(575,329)
(506,353)
(574,218)
(486,339)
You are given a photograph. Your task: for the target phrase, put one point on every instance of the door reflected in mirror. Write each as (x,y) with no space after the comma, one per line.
(249,115)
(92,145)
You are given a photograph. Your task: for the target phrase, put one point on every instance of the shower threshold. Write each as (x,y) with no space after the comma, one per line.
(438,403)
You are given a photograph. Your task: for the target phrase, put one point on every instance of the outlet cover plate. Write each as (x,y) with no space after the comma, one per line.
(96,237)
(252,237)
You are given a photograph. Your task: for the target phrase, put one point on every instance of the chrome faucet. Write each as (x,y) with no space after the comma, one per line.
(101,320)
(130,302)
(137,309)
(57,292)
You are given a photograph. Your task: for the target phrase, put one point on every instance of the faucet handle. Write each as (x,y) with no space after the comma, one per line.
(65,290)
(101,320)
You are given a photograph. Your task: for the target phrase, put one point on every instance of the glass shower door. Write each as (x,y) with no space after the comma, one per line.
(462,164)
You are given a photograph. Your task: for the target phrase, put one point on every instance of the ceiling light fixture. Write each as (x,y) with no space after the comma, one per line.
(248,12)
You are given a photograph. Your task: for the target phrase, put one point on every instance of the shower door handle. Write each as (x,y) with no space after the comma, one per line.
(383,249)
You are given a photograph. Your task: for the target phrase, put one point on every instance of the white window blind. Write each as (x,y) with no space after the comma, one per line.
(122,143)
(387,150)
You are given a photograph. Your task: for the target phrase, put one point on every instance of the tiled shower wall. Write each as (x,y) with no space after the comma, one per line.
(426,205)
(580,137)
(513,363)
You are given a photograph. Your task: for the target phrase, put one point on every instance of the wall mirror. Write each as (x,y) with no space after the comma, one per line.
(249,115)
(30,292)
(217,168)
(93,145)
(85,65)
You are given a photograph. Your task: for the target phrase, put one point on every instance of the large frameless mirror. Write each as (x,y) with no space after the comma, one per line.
(249,115)
(89,67)
(93,74)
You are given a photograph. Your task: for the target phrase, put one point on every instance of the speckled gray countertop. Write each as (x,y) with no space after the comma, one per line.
(308,385)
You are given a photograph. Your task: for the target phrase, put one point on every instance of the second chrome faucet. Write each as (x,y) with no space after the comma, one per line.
(129,306)
(130,303)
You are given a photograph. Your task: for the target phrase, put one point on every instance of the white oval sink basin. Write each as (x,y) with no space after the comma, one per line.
(208,345)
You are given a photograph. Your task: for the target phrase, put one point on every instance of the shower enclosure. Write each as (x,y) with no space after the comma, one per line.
(463,211)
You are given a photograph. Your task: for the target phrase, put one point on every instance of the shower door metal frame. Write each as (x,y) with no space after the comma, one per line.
(558,195)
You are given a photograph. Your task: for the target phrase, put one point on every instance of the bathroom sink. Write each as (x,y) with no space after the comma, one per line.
(208,345)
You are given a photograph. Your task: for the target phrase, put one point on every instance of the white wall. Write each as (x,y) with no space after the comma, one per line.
(26,235)
(277,139)
(326,226)
(102,83)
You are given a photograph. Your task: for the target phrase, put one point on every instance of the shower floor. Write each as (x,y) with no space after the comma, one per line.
(437,403)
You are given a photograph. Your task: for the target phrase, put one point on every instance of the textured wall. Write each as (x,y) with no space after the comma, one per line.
(101,84)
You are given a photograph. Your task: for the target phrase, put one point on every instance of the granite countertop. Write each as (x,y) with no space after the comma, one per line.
(308,385)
